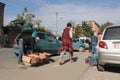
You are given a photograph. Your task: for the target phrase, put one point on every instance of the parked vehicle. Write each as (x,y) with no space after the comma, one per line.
(109,47)
(86,41)
(77,45)
(47,42)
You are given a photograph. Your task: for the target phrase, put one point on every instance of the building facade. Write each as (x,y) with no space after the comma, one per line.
(2,5)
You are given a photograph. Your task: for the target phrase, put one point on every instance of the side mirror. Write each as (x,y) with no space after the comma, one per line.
(58,39)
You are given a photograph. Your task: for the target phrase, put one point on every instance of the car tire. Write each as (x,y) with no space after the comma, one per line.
(81,49)
(58,52)
(100,67)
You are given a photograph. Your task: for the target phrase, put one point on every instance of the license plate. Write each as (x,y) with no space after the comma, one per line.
(116,45)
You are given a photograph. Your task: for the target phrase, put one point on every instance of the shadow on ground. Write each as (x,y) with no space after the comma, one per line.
(113,69)
(75,59)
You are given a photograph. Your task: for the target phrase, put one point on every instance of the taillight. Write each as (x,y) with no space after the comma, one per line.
(103,45)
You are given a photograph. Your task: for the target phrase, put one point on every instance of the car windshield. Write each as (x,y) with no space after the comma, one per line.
(112,33)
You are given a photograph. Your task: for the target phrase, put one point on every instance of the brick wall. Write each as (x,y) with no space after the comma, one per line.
(2,5)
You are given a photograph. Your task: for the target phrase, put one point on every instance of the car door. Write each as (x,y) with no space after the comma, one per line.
(53,44)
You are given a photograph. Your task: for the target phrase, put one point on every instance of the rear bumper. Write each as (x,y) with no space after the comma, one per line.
(108,58)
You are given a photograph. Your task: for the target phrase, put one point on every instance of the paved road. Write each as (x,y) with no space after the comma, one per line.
(10,70)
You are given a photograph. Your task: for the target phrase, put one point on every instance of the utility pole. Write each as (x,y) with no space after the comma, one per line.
(56,22)
(57,18)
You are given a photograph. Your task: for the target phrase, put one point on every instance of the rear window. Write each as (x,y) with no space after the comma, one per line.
(112,33)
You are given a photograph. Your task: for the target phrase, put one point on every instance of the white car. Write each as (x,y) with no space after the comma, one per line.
(86,42)
(109,48)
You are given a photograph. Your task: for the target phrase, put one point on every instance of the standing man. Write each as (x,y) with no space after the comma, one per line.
(66,43)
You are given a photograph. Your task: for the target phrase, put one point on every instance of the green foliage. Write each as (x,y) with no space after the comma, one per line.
(83,30)
(19,17)
(86,30)
(103,26)
(43,29)
(78,31)
(23,20)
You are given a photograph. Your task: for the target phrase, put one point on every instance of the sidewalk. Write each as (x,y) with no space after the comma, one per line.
(93,74)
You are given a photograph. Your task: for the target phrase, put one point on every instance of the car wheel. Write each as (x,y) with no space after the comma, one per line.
(100,67)
(58,52)
(81,49)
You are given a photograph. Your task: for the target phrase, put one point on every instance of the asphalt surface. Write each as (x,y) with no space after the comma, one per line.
(10,70)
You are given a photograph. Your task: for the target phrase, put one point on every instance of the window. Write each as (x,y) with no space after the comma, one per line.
(50,37)
(41,35)
(112,33)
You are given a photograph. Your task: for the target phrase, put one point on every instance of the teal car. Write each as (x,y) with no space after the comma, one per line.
(47,42)
(77,45)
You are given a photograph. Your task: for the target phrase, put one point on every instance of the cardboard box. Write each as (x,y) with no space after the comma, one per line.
(44,55)
(35,61)
(31,59)
(26,59)
(47,54)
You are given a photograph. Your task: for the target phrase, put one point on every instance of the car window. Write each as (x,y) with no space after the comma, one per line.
(41,35)
(112,33)
(50,37)
(26,34)
(59,39)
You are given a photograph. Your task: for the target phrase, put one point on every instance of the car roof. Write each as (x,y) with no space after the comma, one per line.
(112,26)
(116,25)
(27,30)
(44,32)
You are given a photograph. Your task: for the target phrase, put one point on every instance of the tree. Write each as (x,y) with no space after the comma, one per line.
(19,17)
(83,30)
(86,29)
(78,31)
(23,20)
(43,29)
(103,26)
(26,19)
